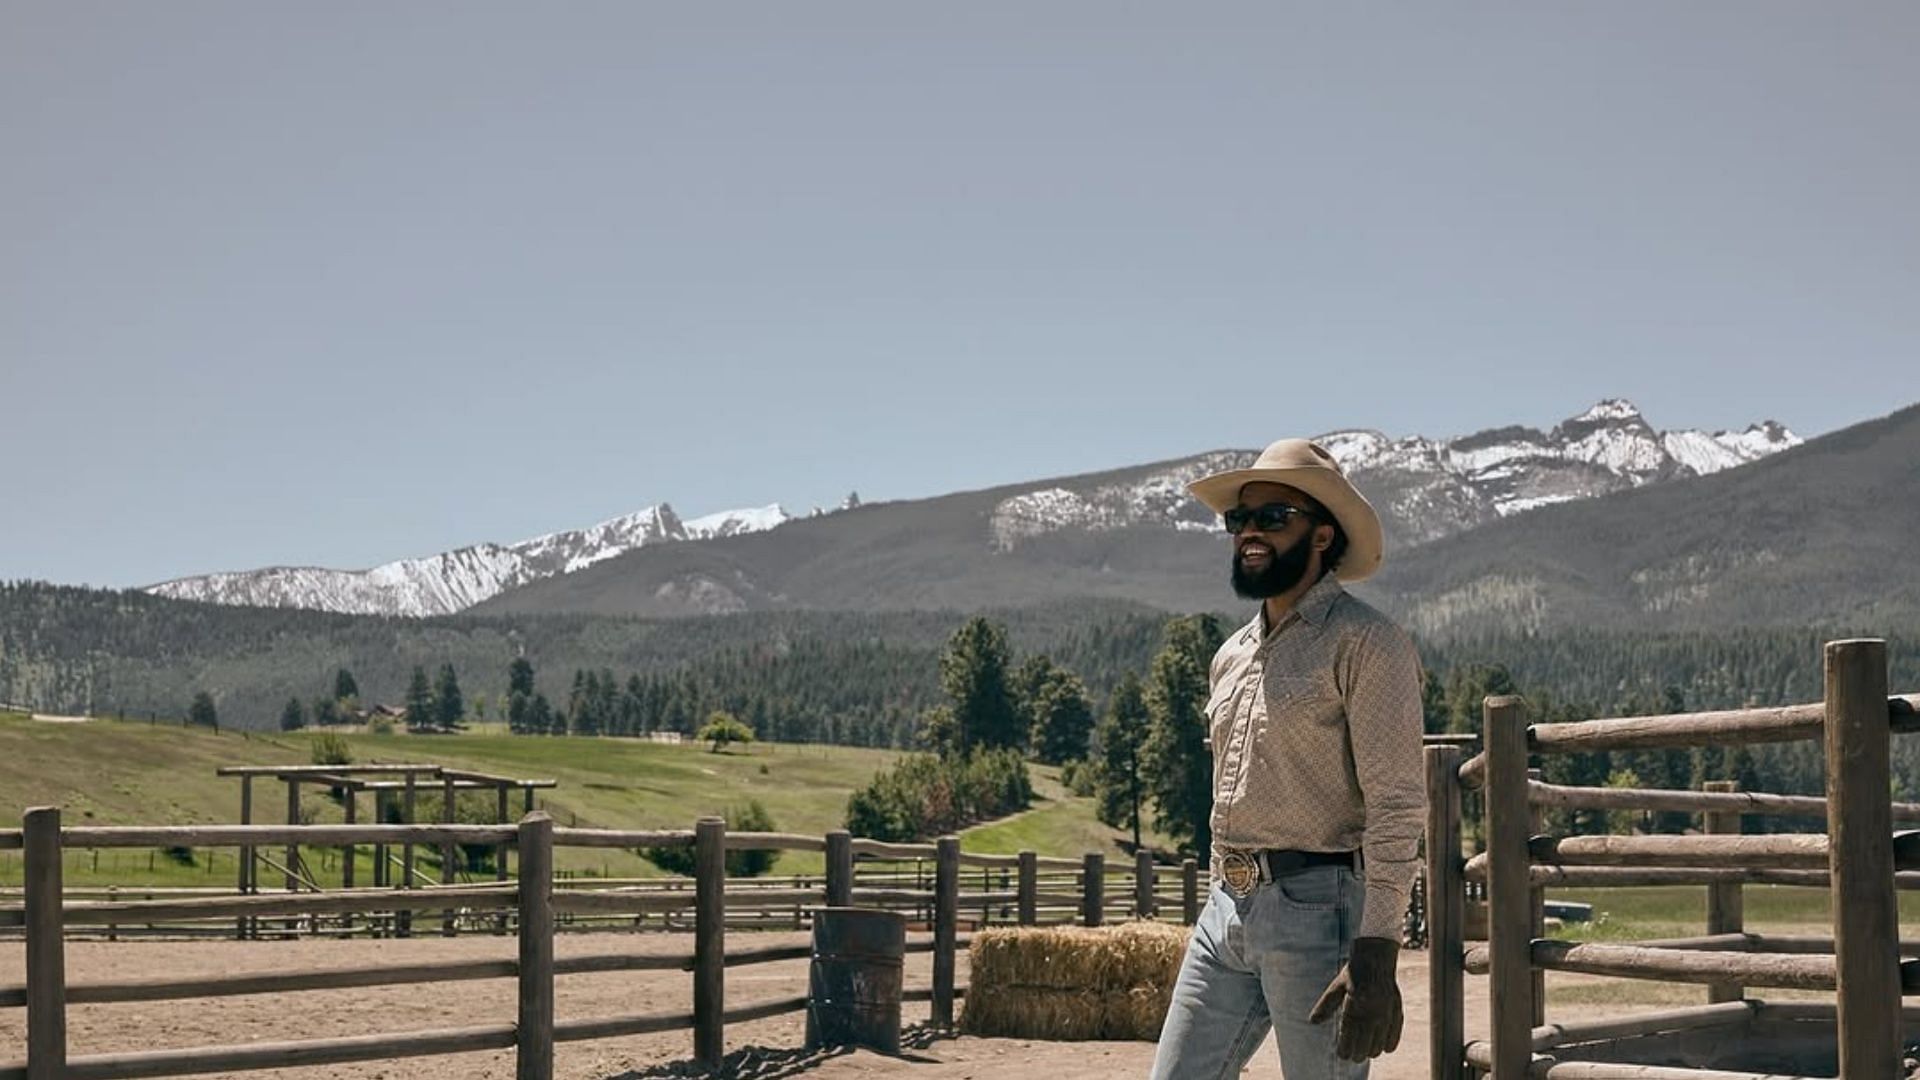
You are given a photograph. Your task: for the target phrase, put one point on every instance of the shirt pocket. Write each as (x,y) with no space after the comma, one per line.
(1290,695)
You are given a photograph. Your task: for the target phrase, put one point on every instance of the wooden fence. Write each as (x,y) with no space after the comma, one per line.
(1861,860)
(1043,890)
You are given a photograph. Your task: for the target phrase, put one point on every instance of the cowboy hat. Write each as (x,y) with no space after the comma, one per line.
(1308,467)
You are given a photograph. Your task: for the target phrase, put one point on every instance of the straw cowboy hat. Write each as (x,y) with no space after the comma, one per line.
(1305,465)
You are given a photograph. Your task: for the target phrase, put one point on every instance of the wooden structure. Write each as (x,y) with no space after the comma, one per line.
(1861,860)
(391,799)
(534,903)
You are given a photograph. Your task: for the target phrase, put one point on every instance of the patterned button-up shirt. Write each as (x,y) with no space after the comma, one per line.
(1315,726)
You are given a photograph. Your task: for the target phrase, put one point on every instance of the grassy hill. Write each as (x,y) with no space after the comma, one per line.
(106,772)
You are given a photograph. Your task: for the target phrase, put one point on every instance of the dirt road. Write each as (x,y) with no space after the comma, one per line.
(761,1050)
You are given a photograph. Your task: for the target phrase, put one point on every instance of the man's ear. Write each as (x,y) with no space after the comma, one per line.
(1322,537)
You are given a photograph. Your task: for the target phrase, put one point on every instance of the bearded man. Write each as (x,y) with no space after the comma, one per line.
(1318,797)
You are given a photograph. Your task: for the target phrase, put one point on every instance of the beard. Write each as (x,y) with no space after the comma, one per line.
(1283,571)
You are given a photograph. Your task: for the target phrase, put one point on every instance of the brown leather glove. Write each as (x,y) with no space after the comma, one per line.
(1367,999)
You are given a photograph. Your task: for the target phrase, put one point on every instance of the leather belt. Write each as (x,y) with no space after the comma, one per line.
(1242,869)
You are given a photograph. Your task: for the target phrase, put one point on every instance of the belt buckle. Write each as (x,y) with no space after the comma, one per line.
(1239,873)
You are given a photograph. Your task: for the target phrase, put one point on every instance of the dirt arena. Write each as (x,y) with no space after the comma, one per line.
(760,1050)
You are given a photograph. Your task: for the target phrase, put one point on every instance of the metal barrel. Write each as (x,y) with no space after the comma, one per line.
(853,993)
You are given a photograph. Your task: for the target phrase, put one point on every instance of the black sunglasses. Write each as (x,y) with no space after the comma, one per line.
(1269,517)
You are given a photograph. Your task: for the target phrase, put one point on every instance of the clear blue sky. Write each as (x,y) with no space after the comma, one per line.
(347,282)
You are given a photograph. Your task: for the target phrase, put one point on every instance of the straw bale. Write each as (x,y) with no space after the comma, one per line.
(1079,958)
(1072,983)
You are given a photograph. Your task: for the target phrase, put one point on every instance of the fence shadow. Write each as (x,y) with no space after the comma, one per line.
(746,1063)
(779,1063)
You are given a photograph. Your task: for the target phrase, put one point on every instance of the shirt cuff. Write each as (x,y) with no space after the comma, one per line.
(1386,909)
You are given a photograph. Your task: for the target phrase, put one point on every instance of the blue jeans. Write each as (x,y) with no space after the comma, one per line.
(1260,963)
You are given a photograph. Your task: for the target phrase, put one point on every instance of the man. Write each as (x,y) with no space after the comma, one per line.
(1318,803)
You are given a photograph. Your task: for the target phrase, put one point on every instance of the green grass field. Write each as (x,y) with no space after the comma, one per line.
(1681,911)
(107,772)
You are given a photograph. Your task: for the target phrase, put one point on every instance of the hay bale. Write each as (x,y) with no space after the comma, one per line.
(1071,983)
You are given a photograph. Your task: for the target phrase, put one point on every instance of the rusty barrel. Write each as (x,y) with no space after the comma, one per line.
(853,992)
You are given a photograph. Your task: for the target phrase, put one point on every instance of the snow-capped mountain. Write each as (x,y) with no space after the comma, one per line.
(1424,488)
(455,580)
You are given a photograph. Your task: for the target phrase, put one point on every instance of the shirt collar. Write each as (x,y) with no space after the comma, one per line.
(1312,607)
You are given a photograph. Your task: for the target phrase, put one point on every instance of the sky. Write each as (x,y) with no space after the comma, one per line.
(336,284)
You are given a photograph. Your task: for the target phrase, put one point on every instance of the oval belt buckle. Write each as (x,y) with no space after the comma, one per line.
(1238,873)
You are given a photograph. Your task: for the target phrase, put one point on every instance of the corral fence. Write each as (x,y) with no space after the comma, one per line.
(964,890)
(1861,860)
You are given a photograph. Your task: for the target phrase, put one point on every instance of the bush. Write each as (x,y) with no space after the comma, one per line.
(331,749)
(1082,778)
(752,817)
(722,728)
(925,796)
(381,725)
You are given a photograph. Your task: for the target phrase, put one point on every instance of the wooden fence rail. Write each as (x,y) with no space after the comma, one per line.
(537,902)
(1861,860)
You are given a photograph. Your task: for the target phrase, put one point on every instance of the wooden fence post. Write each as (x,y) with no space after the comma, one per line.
(1093,891)
(245,873)
(710,940)
(406,856)
(381,877)
(1029,888)
(1190,891)
(348,851)
(1537,906)
(1445,914)
(448,850)
(1509,908)
(500,812)
(946,916)
(293,850)
(1866,927)
(839,868)
(46,947)
(1726,902)
(1143,884)
(535,1033)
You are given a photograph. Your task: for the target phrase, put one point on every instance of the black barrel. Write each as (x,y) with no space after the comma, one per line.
(853,993)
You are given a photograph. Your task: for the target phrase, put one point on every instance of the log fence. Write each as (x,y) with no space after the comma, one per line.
(1860,859)
(944,891)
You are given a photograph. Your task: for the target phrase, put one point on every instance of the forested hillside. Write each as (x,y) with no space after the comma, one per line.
(807,676)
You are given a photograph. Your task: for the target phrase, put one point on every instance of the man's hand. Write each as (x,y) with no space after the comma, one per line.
(1367,999)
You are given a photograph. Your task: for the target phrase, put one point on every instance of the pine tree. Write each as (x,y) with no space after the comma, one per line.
(517,713)
(294,716)
(1063,718)
(202,712)
(326,712)
(1027,684)
(1179,766)
(449,707)
(540,718)
(421,711)
(520,676)
(973,672)
(1121,734)
(344,685)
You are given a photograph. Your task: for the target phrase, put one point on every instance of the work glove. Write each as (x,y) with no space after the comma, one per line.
(1367,999)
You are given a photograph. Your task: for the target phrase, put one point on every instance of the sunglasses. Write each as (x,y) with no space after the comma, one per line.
(1270,517)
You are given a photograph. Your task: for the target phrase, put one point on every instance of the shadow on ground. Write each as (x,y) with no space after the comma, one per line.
(776,1063)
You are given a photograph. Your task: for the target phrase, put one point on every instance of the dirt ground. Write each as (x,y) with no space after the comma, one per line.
(761,1050)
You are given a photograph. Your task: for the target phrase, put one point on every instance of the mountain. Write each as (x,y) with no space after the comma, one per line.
(1824,536)
(455,580)
(1430,489)
(1130,534)
(1425,490)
